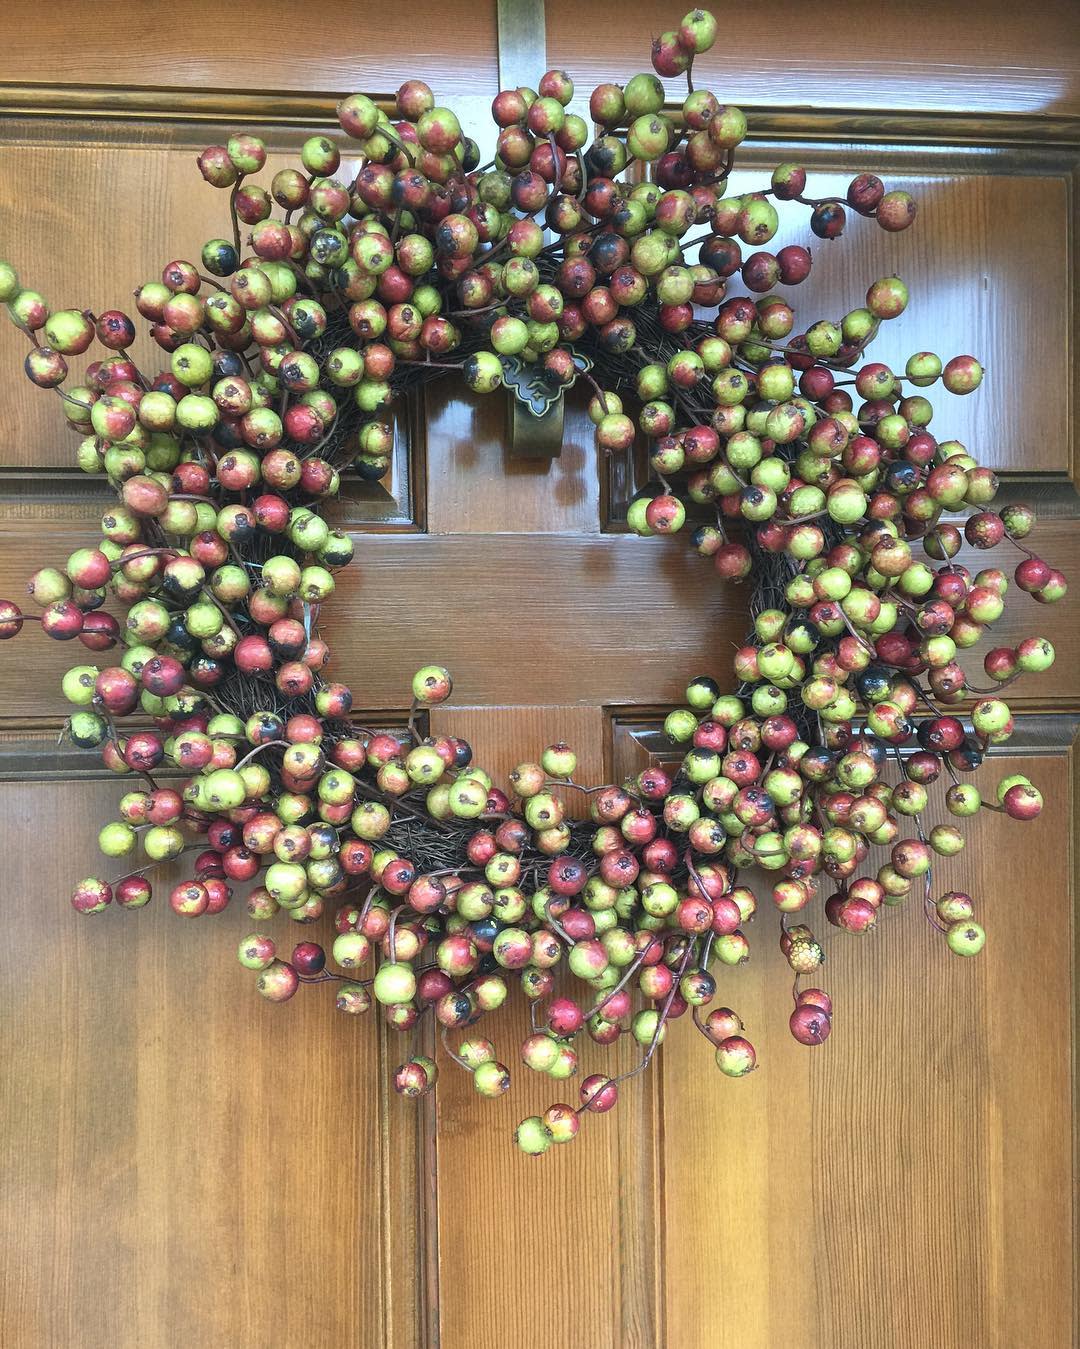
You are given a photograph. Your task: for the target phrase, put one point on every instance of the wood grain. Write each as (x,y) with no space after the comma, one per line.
(78,174)
(579,1221)
(976,276)
(884,1189)
(358,49)
(554,620)
(607,620)
(185,1165)
(477,486)
(183,1162)
(986,58)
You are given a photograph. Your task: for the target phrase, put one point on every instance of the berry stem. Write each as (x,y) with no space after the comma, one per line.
(233,216)
(290,330)
(269,744)
(456,1057)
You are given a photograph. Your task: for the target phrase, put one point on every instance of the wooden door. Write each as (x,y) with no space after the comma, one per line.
(182,1164)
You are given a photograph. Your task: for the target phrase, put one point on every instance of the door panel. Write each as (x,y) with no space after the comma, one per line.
(179,1164)
(883,1189)
(976,277)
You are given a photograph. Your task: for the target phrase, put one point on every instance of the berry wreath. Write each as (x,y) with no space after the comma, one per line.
(547,265)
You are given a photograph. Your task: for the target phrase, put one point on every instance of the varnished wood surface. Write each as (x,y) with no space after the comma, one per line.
(981,281)
(607,620)
(281,49)
(910,1182)
(76,172)
(964,55)
(467,445)
(579,1224)
(182,1162)
(554,620)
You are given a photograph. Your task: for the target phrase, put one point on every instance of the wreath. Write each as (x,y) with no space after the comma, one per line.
(557,261)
